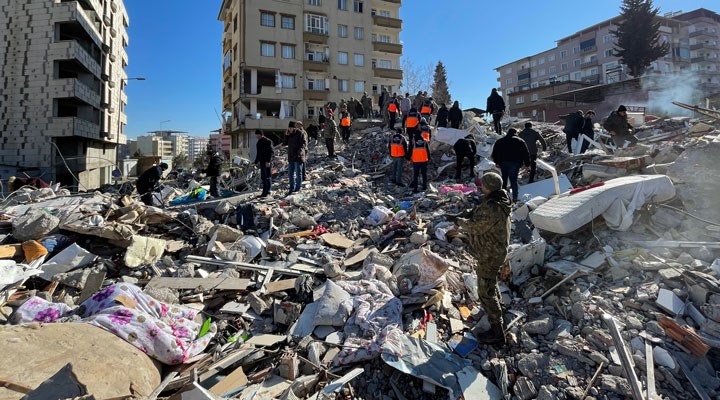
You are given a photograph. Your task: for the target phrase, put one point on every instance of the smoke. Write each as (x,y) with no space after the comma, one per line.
(684,86)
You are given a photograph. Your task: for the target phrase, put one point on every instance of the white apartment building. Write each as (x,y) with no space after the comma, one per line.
(197,146)
(62,68)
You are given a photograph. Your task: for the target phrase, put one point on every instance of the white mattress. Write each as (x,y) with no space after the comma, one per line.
(615,201)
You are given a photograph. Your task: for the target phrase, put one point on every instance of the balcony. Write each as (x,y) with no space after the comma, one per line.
(588,49)
(73,126)
(589,64)
(317,36)
(267,123)
(703,32)
(387,22)
(709,46)
(72,50)
(393,1)
(389,73)
(388,47)
(227,102)
(593,79)
(703,59)
(315,95)
(74,88)
(316,66)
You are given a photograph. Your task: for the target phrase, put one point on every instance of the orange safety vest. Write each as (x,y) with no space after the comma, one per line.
(392,107)
(419,154)
(425,135)
(345,121)
(397,150)
(412,122)
(425,110)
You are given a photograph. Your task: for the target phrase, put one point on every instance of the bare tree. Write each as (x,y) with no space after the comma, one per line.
(416,77)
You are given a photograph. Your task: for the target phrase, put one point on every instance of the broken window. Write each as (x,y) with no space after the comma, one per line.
(357,6)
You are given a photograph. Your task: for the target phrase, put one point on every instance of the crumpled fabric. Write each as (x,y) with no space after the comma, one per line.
(464,189)
(376,325)
(167,333)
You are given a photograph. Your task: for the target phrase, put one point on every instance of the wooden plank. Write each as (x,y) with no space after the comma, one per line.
(205,283)
(92,284)
(266,280)
(359,257)
(280,286)
(266,340)
(337,240)
(650,369)
(235,380)
(154,395)
(296,234)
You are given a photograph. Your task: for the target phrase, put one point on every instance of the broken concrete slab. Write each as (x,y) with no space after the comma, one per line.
(143,251)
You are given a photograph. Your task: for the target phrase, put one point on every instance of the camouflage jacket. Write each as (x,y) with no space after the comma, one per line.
(488,229)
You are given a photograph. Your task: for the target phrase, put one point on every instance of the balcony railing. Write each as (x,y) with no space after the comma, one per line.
(588,64)
(387,22)
(315,36)
(388,47)
(389,73)
(703,32)
(319,66)
(709,46)
(316,95)
(588,49)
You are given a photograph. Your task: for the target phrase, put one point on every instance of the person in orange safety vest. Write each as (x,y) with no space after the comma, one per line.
(345,125)
(420,155)
(393,107)
(412,121)
(398,148)
(425,130)
(427,108)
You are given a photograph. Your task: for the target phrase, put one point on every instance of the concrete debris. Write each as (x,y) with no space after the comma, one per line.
(355,287)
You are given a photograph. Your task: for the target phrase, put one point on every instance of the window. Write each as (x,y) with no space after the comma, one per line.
(542,72)
(342,4)
(288,51)
(314,2)
(235,23)
(267,49)
(576,63)
(521,114)
(267,19)
(287,22)
(287,81)
(576,50)
(534,85)
(357,6)
(359,33)
(359,86)
(311,112)
(387,64)
(564,67)
(508,81)
(541,61)
(551,58)
(608,53)
(578,76)
(316,24)
(563,54)
(520,100)
(342,31)
(342,85)
(667,67)
(359,60)
(534,113)
(552,70)
(375,89)
(508,70)
(342,58)
(533,63)
(316,84)
(227,61)
(534,97)
(607,39)
(384,13)
(382,38)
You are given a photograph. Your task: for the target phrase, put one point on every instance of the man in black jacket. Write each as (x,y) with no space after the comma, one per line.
(531,137)
(510,153)
(263,159)
(573,125)
(213,171)
(465,148)
(441,119)
(496,108)
(147,181)
(455,115)
(619,128)
(296,157)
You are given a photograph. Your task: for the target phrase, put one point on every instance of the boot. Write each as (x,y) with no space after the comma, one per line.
(496,334)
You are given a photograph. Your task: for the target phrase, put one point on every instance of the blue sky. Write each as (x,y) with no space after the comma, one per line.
(176,46)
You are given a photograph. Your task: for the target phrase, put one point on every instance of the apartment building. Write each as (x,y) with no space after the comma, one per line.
(221,143)
(197,146)
(285,59)
(533,86)
(62,68)
(165,144)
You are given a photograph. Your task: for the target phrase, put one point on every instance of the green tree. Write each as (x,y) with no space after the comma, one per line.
(638,36)
(181,161)
(440,91)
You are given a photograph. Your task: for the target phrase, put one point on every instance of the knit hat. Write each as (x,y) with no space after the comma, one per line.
(492,181)
(622,108)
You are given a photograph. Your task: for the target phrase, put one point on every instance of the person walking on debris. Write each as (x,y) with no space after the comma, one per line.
(392,109)
(573,125)
(343,105)
(263,159)
(405,106)
(441,119)
(588,129)
(296,157)
(321,120)
(465,148)
(425,130)
(418,100)
(426,109)
(510,153)
(345,124)
(330,133)
(419,152)
(352,108)
(619,128)
(359,110)
(496,108)
(313,132)
(398,148)
(213,171)
(299,126)
(366,102)
(148,180)
(488,231)
(455,115)
(412,122)
(530,136)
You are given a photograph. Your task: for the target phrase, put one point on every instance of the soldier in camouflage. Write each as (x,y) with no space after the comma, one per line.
(489,234)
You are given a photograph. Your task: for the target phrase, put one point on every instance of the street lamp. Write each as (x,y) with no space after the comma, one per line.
(162,122)
(117,138)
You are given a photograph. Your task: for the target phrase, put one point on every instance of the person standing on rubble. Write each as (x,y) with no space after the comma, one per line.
(213,171)
(531,137)
(419,152)
(345,126)
(418,100)
(496,108)
(343,105)
(455,115)
(465,148)
(392,109)
(352,108)
(330,133)
(426,109)
(148,180)
(398,148)
(425,130)
(366,102)
(263,159)
(588,129)
(299,126)
(573,126)
(441,119)
(510,153)
(297,139)
(488,229)
(411,122)
(405,106)
(619,128)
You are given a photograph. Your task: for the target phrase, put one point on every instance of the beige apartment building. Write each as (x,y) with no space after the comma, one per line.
(581,70)
(285,59)
(62,68)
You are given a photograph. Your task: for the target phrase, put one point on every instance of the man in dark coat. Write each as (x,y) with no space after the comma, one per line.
(213,171)
(455,115)
(510,153)
(531,137)
(148,180)
(588,129)
(263,159)
(297,144)
(465,148)
(496,108)
(441,119)
(619,128)
(573,125)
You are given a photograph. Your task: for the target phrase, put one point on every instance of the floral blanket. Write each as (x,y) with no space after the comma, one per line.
(167,333)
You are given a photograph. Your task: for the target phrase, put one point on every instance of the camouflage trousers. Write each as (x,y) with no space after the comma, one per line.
(489,294)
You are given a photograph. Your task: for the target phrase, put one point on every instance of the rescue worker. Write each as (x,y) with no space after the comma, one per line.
(441,119)
(330,133)
(345,124)
(263,159)
(488,231)
(588,129)
(405,106)
(425,130)
(619,128)
(465,148)
(418,100)
(496,107)
(573,126)
(412,122)
(419,151)
(426,109)
(213,171)
(366,102)
(455,115)
(530,136)
(398,147)
(510,153)
(297,143)
(147,181)
(352,108)
(343,105)
(392,109)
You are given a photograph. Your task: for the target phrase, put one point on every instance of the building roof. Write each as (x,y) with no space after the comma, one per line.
(596,93)
(700,12)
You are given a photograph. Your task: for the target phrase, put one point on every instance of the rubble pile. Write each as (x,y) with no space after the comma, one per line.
(355,288)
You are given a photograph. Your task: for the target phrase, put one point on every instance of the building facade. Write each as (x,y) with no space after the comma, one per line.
(62,68)
(221,143)
(197,146)
(285,59)
(585,59)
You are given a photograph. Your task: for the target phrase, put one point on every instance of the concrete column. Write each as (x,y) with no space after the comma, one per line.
(253,81)
(253,107)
